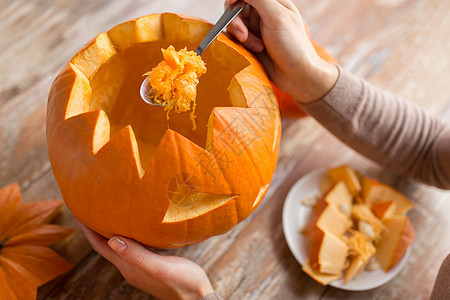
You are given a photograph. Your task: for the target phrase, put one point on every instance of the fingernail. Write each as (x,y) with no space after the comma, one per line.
(239,34)
(118,245)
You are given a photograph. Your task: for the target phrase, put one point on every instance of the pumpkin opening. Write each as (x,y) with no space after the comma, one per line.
(115,90)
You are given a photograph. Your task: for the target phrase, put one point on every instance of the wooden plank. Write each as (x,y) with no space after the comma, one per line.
(23,145)
(401,46)
(38,37)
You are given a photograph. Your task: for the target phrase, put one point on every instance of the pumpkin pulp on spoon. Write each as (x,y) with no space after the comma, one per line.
(174,81)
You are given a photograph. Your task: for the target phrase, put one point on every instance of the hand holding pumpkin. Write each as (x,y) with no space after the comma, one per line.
(165,277)
(290,58)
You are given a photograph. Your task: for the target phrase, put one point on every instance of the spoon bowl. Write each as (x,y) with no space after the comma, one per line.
(146,92)
(146,89)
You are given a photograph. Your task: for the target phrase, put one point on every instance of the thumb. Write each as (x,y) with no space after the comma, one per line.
(131,251)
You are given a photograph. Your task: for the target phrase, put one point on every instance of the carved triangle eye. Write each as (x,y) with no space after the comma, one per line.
(188,201)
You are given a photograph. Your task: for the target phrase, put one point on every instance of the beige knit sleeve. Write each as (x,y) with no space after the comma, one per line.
(386,129)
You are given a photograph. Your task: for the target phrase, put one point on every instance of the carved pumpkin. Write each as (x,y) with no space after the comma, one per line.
(119,167)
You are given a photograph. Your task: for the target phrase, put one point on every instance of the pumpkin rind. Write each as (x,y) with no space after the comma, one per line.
(112,186)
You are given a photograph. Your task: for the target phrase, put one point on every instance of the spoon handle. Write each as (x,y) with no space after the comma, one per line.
(224,20)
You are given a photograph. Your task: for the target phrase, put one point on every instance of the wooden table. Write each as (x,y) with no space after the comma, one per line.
(402,46)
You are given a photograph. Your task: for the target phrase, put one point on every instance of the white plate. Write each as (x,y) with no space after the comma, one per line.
(296,216)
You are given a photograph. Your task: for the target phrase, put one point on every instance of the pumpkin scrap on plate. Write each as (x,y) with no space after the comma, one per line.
(174,80)
(26,261)
(356,221)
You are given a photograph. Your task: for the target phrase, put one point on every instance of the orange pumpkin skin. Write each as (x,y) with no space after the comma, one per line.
(120,169)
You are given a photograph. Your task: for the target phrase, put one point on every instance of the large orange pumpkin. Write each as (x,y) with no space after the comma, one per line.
(119,167)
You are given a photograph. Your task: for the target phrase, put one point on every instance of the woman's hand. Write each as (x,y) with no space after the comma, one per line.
(290,58)
(165,277)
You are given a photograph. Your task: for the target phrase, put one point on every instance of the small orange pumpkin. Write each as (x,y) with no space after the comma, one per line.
(122,171)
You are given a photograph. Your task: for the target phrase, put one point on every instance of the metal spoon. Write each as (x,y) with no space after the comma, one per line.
(228,16)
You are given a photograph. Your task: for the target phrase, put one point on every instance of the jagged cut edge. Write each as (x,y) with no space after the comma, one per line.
(105,45)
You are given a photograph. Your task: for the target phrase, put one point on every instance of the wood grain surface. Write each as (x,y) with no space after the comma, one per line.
(402,46)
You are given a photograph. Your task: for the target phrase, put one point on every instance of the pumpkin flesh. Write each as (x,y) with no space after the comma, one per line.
(173,82)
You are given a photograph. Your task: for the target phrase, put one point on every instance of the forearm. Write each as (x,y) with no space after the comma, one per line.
(386,129)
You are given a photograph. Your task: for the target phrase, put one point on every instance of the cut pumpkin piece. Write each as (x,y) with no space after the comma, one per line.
(339,196)
(320,277)
(374,191)
(356,266)
(383,209)
(325,185)
(327,217)
(361,212)
(330,212)
(394,241)
(347,175)
(328,253)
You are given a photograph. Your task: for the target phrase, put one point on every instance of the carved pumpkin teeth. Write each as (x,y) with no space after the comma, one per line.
(89,60)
